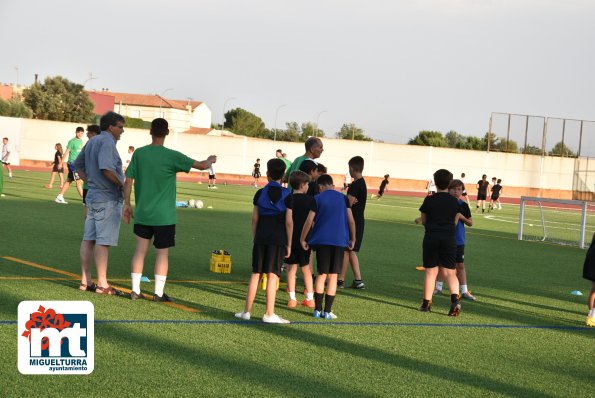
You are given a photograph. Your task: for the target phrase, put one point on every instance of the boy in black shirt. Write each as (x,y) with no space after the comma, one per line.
(495,198)
(272,227)
(383,185)
(357,195)
(439,215)
(482,192)
(302,204)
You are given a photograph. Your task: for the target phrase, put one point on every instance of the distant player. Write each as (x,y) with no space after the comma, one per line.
(6,150)
(332,232)
(431,186)
(73,148)
(346,181)
(212,177)
(383,185)
(256,172)
(482,192)
(589,274)
(272,228)
(495,197)
(465,196)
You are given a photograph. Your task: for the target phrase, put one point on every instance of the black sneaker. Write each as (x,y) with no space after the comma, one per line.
(426,307)
(455,309)
(358,284)
(341,284)
(135,296)
(163,299)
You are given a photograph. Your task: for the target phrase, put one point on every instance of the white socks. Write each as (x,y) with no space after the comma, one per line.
(592,312)
(309,296)
(159,284)
(463,289)
(292,295)
(439,285)
(136,282)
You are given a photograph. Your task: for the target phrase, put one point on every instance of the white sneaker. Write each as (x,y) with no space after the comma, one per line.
(329,315)
(243,315)
(60,199)
(273,319)
(214,187)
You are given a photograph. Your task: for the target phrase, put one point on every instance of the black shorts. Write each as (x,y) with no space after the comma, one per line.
(211,176)
(85,191)
(460,254)
(72,174)
(380,192)
(329,259)
(481,196)
(439,251)
(57,169)
(359,235)
(165,235)
(254,174)
(464,193)
(298,256)
(267,259)
(6,163)
(589,265)
(495,197)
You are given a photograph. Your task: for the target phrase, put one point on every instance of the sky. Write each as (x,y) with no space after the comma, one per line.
(391,67)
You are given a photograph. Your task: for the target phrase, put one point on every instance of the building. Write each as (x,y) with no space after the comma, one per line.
(181,115)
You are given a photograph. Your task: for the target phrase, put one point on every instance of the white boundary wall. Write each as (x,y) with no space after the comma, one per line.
(35,140)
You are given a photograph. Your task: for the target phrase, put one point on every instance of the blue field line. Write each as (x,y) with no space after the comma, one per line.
(333,323)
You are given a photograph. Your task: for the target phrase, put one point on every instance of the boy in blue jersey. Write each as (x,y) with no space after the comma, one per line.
(333,232)
(456,189)
(272,227)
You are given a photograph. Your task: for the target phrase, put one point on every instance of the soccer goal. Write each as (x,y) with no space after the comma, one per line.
(560,221)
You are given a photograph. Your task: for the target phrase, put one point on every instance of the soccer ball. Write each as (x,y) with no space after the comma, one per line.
(198,204)
(191,203)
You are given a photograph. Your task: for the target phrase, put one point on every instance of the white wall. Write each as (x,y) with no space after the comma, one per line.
(35,139)
(201,117)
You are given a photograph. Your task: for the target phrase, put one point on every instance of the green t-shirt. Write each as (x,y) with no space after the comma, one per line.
(295,165)
(75,146)
(154,171)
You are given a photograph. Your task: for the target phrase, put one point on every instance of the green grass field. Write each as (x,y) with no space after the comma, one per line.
(524,336)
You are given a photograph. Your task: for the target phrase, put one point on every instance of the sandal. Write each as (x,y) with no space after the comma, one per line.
(108,290)
(85,288)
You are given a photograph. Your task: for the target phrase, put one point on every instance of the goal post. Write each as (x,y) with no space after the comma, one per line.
(557,221)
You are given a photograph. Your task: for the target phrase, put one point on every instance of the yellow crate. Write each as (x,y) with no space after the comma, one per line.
(220,262)
(263,282)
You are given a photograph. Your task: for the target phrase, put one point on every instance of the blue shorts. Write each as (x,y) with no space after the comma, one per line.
(103,223)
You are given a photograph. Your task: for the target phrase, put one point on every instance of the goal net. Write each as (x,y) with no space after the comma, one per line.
(559,221)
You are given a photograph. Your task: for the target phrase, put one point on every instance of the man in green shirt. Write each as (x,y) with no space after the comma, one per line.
(152,171)
(313,151)
(73,148)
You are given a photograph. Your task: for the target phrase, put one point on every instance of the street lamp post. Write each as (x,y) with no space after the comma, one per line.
(161,100)
(276,113)
(224,104)
(91,77)
(317,118)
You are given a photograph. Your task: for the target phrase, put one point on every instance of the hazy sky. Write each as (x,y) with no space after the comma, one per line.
(392,67)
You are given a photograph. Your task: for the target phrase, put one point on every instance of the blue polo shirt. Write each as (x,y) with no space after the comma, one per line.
(100,153)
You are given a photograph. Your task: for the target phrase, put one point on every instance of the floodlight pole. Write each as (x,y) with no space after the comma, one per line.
(224,104)
(317,118)
(276,113)
(161,100)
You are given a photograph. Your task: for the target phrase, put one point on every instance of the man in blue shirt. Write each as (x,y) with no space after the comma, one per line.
(100,165)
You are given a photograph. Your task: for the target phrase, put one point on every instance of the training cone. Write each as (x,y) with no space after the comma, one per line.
(576,293)
(144,279)
(420,268)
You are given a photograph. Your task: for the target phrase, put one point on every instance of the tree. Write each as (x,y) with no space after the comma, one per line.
(429,138)
(240,121)
(59,99)
(504,145)
(352,132)
(560,149)
(15,108)
(532,150)
(311,130)
(454,139)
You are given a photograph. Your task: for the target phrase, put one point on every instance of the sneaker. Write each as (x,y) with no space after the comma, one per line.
(135,296)
(317,314)
(455,309)
(590,321)
(340,284)
(274,319)
(437,292)
(243,315)
(329,315)
(292,304)
(163,299)
(308,303)
(358,284)
(426,308)
(218,188)
(468,296)
(60,199)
